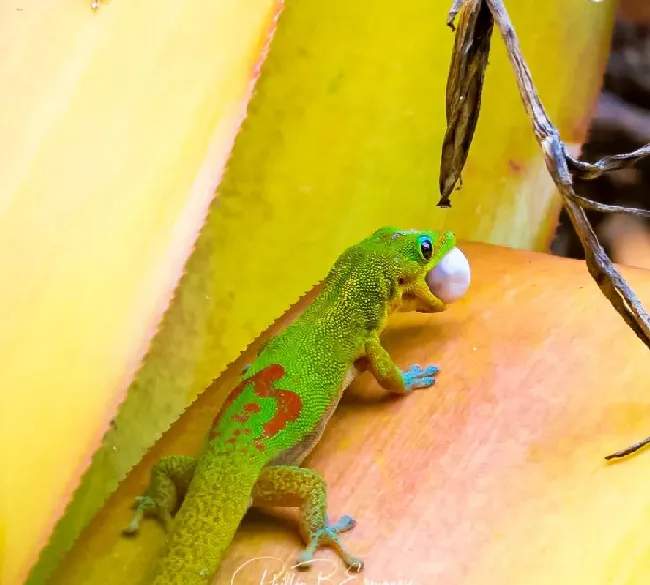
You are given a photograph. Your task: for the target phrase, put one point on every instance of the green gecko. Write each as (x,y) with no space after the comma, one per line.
(277,413)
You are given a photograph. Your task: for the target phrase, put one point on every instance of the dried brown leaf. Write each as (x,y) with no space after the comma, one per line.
(464,88)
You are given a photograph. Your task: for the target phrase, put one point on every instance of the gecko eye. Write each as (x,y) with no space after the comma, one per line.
(426,248)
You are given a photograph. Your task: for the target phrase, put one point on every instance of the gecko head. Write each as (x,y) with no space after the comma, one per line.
(420,266)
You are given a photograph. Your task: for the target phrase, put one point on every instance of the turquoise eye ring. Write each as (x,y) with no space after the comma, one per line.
(426,247)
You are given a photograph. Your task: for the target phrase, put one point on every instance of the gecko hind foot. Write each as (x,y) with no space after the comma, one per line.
(329,536)
(416,377)
(145,506)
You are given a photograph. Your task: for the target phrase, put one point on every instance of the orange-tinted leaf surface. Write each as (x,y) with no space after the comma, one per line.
(496,475)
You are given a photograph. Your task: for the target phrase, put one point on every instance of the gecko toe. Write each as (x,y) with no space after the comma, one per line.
(417,377)
(426,382)
(329,536)
(344,524)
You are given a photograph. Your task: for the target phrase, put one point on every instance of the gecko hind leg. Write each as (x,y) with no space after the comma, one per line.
(288,485)
(170,478)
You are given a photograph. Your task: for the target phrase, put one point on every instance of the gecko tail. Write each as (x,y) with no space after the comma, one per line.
(214,506)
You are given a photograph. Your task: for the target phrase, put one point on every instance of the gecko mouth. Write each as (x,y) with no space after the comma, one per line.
(411,301)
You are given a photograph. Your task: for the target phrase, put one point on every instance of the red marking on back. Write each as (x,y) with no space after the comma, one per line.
(250,408)
(289,405)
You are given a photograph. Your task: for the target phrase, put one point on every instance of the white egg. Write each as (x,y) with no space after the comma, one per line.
(449,279)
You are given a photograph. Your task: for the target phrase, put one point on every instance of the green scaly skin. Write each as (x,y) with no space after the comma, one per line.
(274,417)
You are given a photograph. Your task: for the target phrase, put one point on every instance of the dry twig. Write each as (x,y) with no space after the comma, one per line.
(476,19)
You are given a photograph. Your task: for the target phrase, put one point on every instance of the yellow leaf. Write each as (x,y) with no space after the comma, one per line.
(115,131)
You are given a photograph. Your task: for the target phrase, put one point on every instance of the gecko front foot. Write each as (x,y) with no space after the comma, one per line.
(416,377)
(329,536)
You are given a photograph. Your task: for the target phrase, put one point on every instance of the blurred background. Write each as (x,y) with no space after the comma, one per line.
(621,124)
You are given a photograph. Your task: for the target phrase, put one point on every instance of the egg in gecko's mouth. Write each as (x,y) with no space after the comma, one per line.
(450,278)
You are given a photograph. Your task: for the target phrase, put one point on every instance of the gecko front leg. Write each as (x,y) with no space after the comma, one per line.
(390,377)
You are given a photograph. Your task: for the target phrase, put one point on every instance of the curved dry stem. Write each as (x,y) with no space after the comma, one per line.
(481,15)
